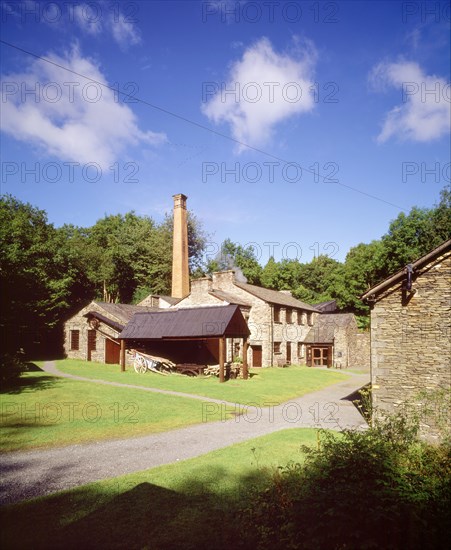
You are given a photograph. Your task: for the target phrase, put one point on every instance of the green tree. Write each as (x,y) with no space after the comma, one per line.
(233,255)
(271,277)
(37,277)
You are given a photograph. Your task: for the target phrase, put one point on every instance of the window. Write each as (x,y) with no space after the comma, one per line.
(289,315)
(301,350)
(276,347)
(301,318)
(74,340)
(310,319)
(276,314)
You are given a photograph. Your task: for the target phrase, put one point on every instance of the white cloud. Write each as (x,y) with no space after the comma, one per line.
(425,113)
(92,18)
(262,89)
(87,19)
(70,117)
(124,32)
(103,20)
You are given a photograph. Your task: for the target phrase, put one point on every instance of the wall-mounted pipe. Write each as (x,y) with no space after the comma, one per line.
(409,271)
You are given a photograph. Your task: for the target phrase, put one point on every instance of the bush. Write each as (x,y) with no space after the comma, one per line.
(11,367)
(381,488)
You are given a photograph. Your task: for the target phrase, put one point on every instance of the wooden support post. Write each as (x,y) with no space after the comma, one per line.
(221,359)
(122,356)
(245,369)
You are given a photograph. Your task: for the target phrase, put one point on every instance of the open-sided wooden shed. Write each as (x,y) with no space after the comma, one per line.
(192,333)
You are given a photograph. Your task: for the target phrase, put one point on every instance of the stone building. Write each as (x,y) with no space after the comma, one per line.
(332,341)
(92,333)
(284,330)
(410,337)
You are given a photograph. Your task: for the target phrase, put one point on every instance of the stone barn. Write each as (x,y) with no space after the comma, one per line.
(92,334)
(410,340)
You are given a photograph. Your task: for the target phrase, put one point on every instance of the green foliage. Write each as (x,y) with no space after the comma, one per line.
(11,368)
(233,255)
(39,277)
(48,274)
(271,275)
(360,490)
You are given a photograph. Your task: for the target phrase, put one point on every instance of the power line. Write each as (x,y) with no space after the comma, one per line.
(193,123)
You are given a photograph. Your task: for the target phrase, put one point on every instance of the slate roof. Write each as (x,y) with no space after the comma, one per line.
(169,299)
(123,312)
(275,297)
(330,305)
(107,320)
(325,326)
(226,296)
(185,323)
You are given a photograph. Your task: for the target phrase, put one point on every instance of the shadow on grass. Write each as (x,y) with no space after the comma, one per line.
(29,383)
(208,513)
(196,516)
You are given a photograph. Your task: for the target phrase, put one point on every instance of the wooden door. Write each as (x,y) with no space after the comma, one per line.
(112,352)
(256,356)
(91,343)
(321,356)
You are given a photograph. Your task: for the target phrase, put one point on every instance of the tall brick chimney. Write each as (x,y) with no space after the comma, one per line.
(180,270)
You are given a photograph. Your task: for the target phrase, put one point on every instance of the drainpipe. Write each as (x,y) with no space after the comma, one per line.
(409,270)
(271,343)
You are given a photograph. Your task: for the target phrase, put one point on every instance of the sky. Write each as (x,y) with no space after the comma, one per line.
(297,127)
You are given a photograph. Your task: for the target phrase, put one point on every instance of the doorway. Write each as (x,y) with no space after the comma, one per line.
(256,356)
(319,356)
(288,353)
(91,343)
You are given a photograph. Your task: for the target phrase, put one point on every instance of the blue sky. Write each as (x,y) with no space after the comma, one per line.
(302,127)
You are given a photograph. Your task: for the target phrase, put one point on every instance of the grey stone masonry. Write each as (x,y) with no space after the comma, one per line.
(272,334)
(410,342)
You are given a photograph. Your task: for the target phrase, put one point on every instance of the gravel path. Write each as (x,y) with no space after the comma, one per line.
(30,474)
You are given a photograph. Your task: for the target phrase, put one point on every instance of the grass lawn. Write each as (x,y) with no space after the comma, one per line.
(190,504)
(46,411)
(268,385)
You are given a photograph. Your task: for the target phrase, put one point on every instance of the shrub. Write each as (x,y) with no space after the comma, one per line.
(381,488)
(11,367)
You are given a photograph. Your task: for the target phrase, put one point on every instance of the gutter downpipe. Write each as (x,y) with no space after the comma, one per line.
(272,336)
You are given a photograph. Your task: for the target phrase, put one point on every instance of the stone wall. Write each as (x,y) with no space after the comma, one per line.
(80,323)
(344,340)
(410,341)
(259,316)
(360,351)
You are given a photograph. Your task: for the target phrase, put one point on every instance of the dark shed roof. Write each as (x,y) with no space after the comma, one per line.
(197,322)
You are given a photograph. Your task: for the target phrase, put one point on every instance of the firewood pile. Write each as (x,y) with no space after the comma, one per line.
(231,370)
